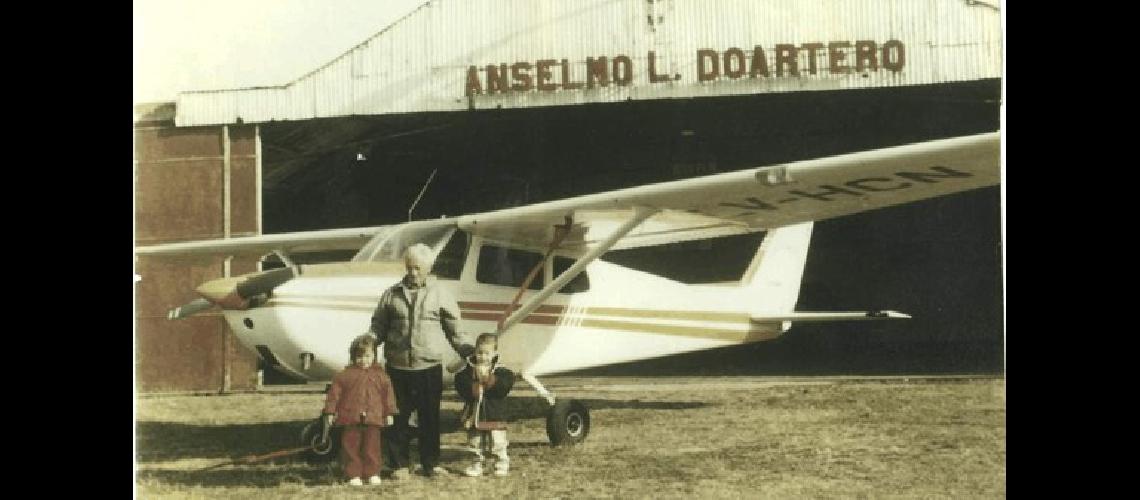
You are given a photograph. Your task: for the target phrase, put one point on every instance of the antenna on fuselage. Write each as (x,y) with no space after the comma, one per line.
(421,195)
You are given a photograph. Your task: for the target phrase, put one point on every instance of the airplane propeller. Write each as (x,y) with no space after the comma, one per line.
(262,284)
(236,293)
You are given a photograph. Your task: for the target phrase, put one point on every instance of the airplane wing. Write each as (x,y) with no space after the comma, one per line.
(256,246)
(755,199)
(725,204)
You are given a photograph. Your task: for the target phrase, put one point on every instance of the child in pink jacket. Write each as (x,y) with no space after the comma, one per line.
(361,400)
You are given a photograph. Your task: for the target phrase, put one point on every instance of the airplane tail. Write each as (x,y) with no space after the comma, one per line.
(773,277)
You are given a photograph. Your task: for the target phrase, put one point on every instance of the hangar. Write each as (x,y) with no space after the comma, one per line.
(468,106)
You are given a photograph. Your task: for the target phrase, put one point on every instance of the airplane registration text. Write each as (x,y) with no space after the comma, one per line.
(855,187)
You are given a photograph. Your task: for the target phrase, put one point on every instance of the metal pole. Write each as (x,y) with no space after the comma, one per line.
(422,191)
(226,265)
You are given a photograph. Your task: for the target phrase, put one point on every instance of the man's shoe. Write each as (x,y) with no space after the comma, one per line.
(374,480)
(435,471)
(355,482)
(401,474)
(475,470)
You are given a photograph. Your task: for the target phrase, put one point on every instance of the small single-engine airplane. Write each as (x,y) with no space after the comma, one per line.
(532,273)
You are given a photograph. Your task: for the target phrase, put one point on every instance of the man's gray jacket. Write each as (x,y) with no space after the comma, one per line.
(421,335)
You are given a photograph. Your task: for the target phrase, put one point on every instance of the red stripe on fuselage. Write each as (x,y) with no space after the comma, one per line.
(532,319)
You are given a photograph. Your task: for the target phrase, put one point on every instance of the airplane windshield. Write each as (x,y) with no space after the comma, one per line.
(389,244)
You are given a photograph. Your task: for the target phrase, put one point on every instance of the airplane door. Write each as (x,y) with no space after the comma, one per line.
(491,277)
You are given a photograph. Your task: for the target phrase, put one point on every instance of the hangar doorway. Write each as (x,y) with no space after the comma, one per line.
(360,171)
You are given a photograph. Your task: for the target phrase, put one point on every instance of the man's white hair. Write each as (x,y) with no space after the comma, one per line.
(420,254)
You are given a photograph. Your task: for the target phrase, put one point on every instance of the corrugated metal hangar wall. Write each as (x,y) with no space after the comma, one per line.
(521,102)
(452,55)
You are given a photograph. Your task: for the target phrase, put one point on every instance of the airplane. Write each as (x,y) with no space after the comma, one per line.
(533,275)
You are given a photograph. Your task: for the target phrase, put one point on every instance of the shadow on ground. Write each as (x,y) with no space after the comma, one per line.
(166,441)
(296,471)
(525,408)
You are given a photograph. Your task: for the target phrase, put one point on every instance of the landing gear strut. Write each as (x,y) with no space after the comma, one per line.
(568,422)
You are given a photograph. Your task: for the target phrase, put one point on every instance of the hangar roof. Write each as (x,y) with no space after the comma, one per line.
(455,55)
(152,112)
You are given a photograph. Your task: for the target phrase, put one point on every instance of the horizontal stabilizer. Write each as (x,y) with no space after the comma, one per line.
(830,316)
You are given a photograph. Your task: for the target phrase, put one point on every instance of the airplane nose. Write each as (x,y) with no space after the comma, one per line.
(237,293)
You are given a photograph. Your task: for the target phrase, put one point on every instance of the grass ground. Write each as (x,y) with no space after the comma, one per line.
(663,437)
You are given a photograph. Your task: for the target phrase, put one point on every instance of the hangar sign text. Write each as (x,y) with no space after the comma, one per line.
(785,60)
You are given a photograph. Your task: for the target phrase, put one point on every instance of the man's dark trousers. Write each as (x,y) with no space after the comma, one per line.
(419,391)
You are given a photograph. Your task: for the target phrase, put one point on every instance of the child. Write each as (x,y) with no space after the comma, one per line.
(361,399)
(484,385)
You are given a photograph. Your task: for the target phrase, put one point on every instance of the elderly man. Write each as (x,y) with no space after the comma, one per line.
(417,323)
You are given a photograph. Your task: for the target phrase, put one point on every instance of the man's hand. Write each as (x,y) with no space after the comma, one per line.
(329,419)
(389,420)
(455,365)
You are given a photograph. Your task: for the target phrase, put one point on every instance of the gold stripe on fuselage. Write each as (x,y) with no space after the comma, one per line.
(590,317)
(621,311)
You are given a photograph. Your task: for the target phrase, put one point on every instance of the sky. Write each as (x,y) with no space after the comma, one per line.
(182,45)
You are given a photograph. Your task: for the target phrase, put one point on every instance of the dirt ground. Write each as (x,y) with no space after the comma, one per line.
(662,437)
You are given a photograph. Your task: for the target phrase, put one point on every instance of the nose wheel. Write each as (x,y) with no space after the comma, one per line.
(319,451)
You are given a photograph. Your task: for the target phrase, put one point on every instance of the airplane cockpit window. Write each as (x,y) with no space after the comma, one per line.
(389,245)
(449,263)
(580,283)
(507,267)
(370,247)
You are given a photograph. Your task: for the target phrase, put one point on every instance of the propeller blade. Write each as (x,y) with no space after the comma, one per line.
(265,282)
(189,309)
(237,293)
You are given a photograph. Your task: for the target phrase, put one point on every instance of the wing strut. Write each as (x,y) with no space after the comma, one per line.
(560,233)
(639,216)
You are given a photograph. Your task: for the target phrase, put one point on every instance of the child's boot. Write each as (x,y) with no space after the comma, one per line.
(502,468)
(475,470)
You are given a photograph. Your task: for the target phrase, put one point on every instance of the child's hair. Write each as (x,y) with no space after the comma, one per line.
(361,345)
(487,337)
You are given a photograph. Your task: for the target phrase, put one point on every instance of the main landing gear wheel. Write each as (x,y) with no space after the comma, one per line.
(568,423)
(311,437)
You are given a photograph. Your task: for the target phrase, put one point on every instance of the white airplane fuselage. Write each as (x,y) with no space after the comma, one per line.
(625,315)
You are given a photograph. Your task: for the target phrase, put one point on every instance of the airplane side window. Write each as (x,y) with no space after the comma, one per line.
(507,267)
(580,283)
(449,263)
